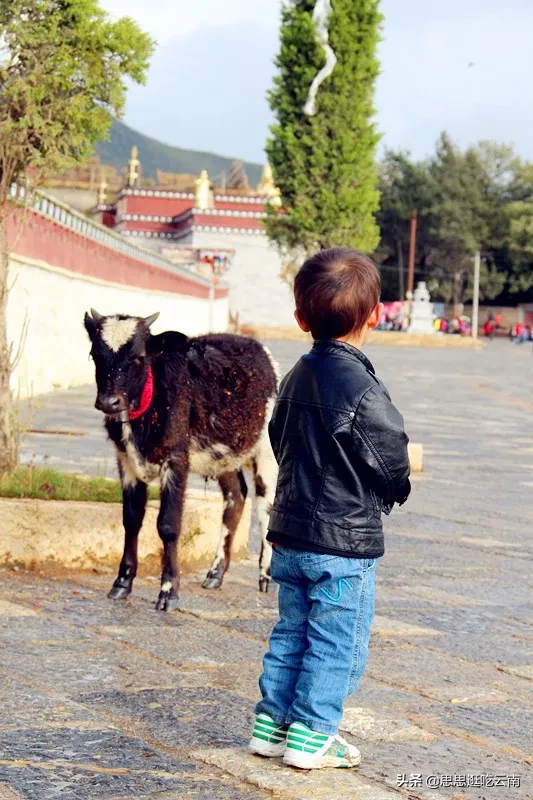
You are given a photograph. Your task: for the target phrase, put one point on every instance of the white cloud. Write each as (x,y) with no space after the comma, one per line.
(427,84)
(208,83)
(165,19)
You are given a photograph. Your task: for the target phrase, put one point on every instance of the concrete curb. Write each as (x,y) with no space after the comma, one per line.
(416,457)
(437,340)
(43,533)
(46,533)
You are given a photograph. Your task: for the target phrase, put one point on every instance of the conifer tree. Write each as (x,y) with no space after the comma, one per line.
(324,165)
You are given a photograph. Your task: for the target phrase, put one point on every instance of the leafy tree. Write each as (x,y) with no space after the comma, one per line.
(63,66)
(404,186)
(460,217)
(481,198)
(518,214)
(324,164)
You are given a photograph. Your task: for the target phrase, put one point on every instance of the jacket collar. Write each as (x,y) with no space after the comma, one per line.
(334,345)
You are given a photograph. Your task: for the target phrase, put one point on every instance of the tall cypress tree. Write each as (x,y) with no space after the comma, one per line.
(324,165)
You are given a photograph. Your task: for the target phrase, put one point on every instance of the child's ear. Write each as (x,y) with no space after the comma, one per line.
(301,323)
(375,316)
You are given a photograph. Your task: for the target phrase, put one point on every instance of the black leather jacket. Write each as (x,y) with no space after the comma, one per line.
(342,453)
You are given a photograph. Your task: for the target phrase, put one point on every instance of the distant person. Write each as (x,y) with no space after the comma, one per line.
(488,329)
(521,333)
(444,325)
(342,454)
(455,325)
(497,322)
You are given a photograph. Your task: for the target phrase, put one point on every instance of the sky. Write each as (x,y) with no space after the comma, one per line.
(464,66)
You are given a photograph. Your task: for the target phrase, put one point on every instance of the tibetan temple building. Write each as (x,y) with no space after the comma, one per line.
(213,231)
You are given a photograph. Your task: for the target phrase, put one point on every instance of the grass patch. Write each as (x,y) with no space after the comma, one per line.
(45,483)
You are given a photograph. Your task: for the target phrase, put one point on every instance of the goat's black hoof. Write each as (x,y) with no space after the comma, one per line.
(120,590)
(212,582)
(264,584)
(214,577)
(167,601)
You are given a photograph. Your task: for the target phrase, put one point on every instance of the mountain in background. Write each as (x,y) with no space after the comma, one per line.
(206,89)
(155,155)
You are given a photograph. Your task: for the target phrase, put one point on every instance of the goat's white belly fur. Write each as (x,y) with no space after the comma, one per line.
(209,462)
(215,459)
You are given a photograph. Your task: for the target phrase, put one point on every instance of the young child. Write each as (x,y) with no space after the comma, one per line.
(342,454)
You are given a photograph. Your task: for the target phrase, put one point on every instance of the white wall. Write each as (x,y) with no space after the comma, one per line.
(54,301)
(256,289)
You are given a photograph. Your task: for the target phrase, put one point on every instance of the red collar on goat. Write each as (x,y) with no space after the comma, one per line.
(146,396)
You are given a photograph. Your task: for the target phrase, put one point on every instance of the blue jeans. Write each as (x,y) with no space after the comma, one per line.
(319,647)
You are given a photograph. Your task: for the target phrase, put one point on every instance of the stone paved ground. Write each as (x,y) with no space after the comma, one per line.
(118,702)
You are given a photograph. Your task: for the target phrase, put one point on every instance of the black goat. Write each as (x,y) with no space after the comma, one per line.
(175,404)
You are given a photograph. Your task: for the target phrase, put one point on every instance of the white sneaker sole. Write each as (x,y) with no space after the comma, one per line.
(294,758)
(267,749)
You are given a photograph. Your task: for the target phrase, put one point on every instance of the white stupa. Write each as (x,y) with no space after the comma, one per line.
(421,311)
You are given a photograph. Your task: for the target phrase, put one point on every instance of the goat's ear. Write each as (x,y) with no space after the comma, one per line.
(90,326)
(169,342)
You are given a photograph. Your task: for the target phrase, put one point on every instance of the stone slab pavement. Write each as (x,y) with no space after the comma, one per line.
(99,700)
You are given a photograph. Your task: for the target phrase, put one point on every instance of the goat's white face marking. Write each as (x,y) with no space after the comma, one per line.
(118,332)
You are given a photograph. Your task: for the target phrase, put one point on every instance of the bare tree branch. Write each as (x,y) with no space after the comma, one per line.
(22,341)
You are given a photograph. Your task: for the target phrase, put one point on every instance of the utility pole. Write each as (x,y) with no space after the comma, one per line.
(475,300)
(401,276)
(412,251)
(411,265)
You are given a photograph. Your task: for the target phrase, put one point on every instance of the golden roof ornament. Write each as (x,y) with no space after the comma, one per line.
(133,167)
(267,187)
(204,195)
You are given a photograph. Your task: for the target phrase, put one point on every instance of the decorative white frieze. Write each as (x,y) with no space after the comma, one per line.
(226,212)
(155,193)
(143,218)
(228,198)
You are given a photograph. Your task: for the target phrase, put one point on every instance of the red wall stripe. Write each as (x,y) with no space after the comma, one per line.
(46,240)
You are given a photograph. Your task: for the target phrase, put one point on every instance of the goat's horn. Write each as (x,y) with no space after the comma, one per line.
(96,316)
(150,320)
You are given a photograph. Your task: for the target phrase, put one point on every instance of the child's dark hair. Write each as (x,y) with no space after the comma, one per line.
(335,292)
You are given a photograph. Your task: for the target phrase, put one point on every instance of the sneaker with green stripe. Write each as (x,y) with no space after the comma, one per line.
(307,749)
(268,738)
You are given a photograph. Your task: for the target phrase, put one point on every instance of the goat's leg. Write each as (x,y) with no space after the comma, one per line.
(173,484)
(133,507)
(265,474)
(234,491)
